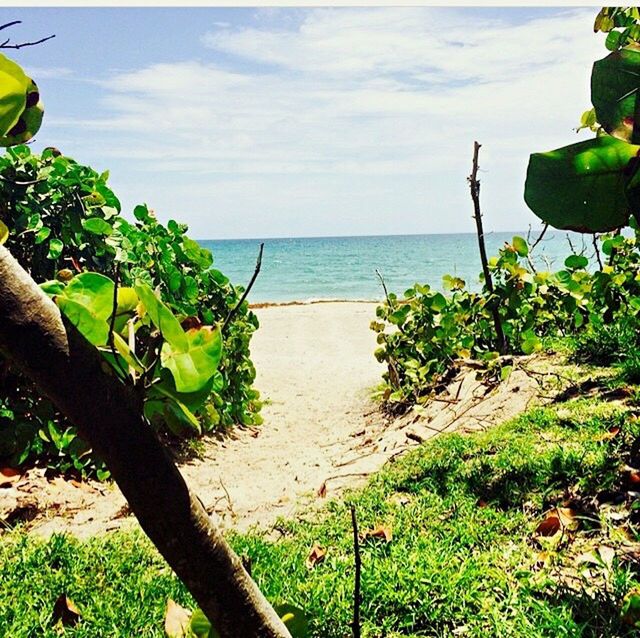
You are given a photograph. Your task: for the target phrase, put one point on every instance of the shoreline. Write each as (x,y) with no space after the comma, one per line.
(271,304)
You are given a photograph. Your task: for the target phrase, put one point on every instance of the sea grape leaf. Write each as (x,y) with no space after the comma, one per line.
(162,318)
(581,187)
(193,366)
(13,96)
(615,88)
(97,226)
(87,301)
(4,232)
(520,246)
(55,248)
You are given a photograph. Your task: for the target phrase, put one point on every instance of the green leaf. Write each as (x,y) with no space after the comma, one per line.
(581,187)
(615,81)
(530,342)
(97,226)
(193,367)
(87,301)
(162,318)
(576,262)
(42,235)
(613,40)
(55,248)
(294,620)
(438,302)
(520,246)
(179,418)
(53,287)
(4,232)
(13,95)
(201,626)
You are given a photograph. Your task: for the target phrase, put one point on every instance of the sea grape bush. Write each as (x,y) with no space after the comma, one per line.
(64,222)
(423,333)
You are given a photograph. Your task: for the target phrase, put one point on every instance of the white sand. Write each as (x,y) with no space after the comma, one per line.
(322,433)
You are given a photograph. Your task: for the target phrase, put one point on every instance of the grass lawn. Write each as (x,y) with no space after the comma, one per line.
(463,559)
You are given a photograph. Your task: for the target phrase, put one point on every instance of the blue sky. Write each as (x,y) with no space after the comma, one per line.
(308,122)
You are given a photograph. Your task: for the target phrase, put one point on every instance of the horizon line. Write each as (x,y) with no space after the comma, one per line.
(493,232)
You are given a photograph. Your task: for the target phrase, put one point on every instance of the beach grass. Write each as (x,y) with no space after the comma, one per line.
(448,546)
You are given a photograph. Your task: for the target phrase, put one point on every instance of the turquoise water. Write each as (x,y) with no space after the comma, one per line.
(304,269)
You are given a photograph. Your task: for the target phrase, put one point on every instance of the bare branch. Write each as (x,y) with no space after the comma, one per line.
(537,241)
(474,187)
(20,45)
(595,247)
(256,272)
(384,287)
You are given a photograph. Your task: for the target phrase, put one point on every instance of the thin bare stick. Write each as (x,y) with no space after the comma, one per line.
(355,625)
(532,246)
(6,44)
(384,287)
(474,186)
(9,24)
(256,272)
(537,241)
(595,247)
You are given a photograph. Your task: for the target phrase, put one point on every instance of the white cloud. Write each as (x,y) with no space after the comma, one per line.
(361,96)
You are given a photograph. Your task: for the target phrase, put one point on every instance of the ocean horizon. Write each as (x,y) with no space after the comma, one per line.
(307,269)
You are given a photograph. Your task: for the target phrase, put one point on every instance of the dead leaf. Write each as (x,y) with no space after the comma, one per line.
(559,518)
(610,434)
(322,490)
(607,554)
(188,323)
(8,476)
(481,503)
(379,531)
(66,612)
(176,620)
(316,555)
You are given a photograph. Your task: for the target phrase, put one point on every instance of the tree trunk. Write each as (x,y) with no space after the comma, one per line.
(74,375)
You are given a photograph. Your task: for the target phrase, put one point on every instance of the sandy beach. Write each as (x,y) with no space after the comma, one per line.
(322,431)
(315,371)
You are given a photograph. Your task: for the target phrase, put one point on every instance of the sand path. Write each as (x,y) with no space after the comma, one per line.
(315,372)
(321,432)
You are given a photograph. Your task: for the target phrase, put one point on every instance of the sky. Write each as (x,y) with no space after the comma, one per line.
(285,122)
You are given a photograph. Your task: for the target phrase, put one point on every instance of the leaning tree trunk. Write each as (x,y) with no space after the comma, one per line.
(73,374)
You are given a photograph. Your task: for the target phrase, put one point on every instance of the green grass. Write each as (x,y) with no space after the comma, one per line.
(462,561)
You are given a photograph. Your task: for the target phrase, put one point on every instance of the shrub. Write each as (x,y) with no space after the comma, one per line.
(64,219)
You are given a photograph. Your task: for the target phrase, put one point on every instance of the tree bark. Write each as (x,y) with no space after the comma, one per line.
(68,369)
(474,186)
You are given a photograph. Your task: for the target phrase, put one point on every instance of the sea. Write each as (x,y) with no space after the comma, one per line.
(307,269)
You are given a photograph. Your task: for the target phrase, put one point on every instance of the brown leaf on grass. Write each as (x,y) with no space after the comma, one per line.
(610,434)
(316,555)
(481,503)
(559,518)
(322,490)
(379,531)
(9,476)
(66,612)
(176,620)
